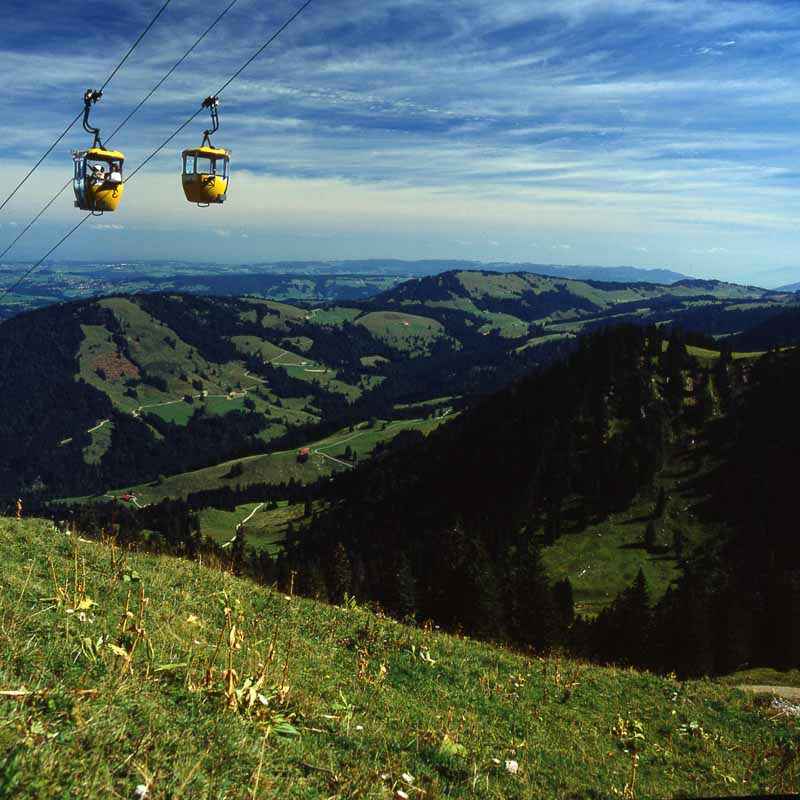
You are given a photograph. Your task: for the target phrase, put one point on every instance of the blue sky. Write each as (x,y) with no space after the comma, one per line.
(657,133)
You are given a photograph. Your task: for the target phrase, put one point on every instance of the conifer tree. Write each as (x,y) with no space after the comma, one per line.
(650,535)
(661,503)
(405,590)
(339,573)
(678,543)
(565,607)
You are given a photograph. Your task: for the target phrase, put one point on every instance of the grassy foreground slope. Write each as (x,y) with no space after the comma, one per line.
(134,670)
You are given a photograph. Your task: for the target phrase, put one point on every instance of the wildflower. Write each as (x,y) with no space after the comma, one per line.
(359,727)
(140,792)
(496,761)
(512,766)
(407,777)
(400,794)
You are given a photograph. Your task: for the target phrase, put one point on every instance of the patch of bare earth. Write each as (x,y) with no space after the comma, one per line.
(115,366)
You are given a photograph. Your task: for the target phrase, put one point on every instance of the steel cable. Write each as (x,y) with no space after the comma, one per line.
(69,127)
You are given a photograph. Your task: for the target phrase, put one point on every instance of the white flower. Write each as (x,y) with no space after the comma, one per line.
(140,792)
(496,761)
(512,766)
(400,794)
(407,777)
(359,727)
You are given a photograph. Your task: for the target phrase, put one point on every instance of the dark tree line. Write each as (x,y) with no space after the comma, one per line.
(738,602)
(457,520)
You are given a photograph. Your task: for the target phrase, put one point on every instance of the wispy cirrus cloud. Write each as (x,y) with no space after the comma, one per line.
(594,121)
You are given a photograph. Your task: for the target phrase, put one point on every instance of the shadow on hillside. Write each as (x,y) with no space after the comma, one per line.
(639,520)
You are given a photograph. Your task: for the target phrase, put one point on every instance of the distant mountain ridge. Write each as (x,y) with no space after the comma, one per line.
(421,267)
(313,281)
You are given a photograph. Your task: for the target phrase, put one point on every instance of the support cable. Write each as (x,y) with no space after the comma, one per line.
(47,255)
(119,127)
(152,155)
(69,127)
(227,83)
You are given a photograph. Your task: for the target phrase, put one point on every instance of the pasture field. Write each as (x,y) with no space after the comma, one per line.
(159,353)
(312,372)
(264,530)
(279,313)
(334,316)
(704,354)
(100,442)
(373,361)
(281,467)
(548,337)
(252,345)
(604,558)
(406,332)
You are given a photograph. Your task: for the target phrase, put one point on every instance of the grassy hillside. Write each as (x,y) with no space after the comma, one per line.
(406,332)
(603,558)
(264,529)
(234,373)
(509,302)
(326,457)
(137,670)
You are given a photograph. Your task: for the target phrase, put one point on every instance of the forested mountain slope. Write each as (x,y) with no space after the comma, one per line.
(453,527)
(115,391)
(118,391)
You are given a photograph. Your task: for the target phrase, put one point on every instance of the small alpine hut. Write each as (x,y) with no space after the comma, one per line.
(302,454)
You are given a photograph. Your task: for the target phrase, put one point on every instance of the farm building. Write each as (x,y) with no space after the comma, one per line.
(302,454)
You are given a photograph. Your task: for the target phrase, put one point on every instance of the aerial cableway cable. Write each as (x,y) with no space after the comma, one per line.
(174,67)
(124,121)
(69,127)
(226,84)
(278,32)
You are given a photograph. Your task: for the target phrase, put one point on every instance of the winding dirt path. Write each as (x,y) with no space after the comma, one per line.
(98,426)
(243,522)
(787,692)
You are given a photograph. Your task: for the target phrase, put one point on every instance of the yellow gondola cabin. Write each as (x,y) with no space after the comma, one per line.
(97,172)
(97,179)
(205,175)
(205,168)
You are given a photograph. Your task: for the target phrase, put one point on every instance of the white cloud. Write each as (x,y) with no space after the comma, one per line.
(581,119)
